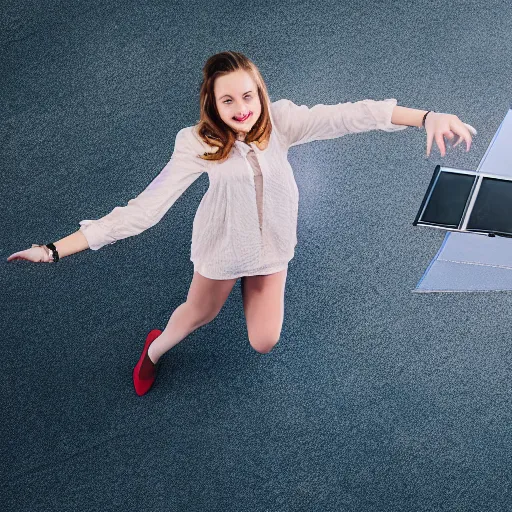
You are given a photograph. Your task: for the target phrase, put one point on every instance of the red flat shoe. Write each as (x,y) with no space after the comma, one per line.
(144,373)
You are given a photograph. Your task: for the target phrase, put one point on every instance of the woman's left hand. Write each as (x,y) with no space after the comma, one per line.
(437,125)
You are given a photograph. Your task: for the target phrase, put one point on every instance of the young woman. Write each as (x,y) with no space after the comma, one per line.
(245,225)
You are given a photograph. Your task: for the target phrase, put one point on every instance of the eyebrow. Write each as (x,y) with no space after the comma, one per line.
(230,95)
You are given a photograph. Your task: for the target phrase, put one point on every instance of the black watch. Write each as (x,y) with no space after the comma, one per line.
(53,252)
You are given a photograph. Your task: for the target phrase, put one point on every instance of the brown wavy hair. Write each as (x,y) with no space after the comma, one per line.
(211,128)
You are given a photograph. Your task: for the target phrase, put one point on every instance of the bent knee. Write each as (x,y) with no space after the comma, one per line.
(263,345)
(209,317)
(204,316)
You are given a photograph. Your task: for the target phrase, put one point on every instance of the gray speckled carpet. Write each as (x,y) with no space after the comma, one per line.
(375,398)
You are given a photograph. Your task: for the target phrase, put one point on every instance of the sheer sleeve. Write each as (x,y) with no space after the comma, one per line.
(301,124)
(145,210)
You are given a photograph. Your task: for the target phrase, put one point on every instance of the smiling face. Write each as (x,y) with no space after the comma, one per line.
(236,95)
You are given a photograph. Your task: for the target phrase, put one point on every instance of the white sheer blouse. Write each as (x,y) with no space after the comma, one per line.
(246,223)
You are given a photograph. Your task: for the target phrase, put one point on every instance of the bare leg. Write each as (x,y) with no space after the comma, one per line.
(183,321)
(204,301)
(263,298)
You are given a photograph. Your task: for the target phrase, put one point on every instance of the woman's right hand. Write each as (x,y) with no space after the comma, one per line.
(35,253)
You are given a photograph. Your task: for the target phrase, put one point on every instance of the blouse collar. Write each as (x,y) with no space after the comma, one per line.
(244,148)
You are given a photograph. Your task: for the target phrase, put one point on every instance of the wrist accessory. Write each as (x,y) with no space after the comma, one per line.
(51,251)
(424,117)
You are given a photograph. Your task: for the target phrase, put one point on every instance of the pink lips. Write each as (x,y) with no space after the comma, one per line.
(244,119)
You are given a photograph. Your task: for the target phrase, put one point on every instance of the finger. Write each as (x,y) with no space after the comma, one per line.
(470,128)
(462,139)
(430,138)
(440,142)
(450,136)
(461,129)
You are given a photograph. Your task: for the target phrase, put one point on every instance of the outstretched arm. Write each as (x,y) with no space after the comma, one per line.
(300,124)
(151,204)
